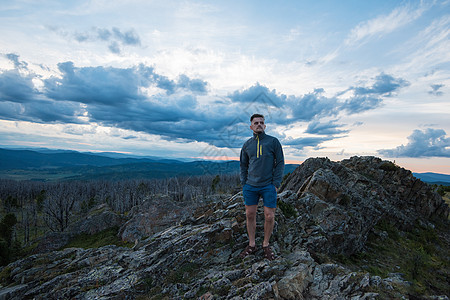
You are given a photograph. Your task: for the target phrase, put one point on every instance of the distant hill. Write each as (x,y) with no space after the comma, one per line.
(71,165)
(433,178)
(47,164)
(28,159)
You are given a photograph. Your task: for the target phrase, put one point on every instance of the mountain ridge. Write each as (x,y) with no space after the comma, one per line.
(330,214)
(433,178)
(37,164)
(33,165)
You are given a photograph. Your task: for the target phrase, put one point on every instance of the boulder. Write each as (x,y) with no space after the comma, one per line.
(155,214)
(343,201)
(98,219)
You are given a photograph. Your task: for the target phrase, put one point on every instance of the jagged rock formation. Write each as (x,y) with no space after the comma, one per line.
(99,218)
(154,215)
(325,207)
(345,200)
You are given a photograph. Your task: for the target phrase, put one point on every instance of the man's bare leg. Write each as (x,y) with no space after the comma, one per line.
(250,212)
(269,221)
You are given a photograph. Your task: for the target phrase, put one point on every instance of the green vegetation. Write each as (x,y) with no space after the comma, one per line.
(446,198)
(38,174)
(287,209)
(420,255)
(5,276)
(214,183)
(184,273)
(389,166)
(100,239)
(9,249)
(87,205)
(285,177)
(443,189)
(345,200)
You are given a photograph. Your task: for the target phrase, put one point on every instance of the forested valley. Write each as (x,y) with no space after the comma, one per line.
(31,209)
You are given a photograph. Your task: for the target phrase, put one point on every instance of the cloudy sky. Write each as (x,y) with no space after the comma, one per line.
(181,78)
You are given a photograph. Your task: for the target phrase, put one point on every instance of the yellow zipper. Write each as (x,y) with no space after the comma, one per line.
(258,148)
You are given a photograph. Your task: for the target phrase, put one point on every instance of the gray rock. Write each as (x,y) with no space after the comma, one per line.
(341,202)
(99,218)
(295,281)
(155,214)
(13,292)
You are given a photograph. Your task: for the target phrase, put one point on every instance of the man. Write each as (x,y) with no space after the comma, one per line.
(262,167)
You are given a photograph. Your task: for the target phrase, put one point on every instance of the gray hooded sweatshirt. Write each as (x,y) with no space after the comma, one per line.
(262,161)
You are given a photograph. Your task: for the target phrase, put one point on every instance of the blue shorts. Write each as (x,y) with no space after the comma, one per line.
(253,193)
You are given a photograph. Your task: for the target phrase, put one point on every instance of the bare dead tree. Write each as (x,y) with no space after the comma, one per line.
(60,202)
(57,209)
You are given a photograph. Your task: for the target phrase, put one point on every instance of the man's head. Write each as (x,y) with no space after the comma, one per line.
(257,123)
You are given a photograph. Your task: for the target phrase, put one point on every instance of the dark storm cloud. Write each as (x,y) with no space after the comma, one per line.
(368,98)
(328,128)
(361,103)
(116,97)
(428,143)
(16,87)
(110,86)
(110,95)
(194,85)
(312,105)
(45,111)
(384,85)
(301,143)
(113,86)
(11,111)
(258,93)
(130,137)
(41,111)
(176,118)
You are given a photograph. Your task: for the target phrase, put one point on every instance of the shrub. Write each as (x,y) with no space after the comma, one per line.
(287,209)
(420,254)
(388,166)
(100,239)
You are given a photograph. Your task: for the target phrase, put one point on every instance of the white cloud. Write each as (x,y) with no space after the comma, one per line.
(384,24)
(428,143)
(429,48)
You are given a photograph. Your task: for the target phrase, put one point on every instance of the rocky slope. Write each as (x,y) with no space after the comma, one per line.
(326,208)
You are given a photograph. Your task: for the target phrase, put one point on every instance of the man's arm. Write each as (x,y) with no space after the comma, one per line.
(244,166)
(279,164)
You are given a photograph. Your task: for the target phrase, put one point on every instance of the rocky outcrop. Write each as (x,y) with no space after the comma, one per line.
(98,219)
(325,207)
(345,200)
(185,261)
(155,214)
